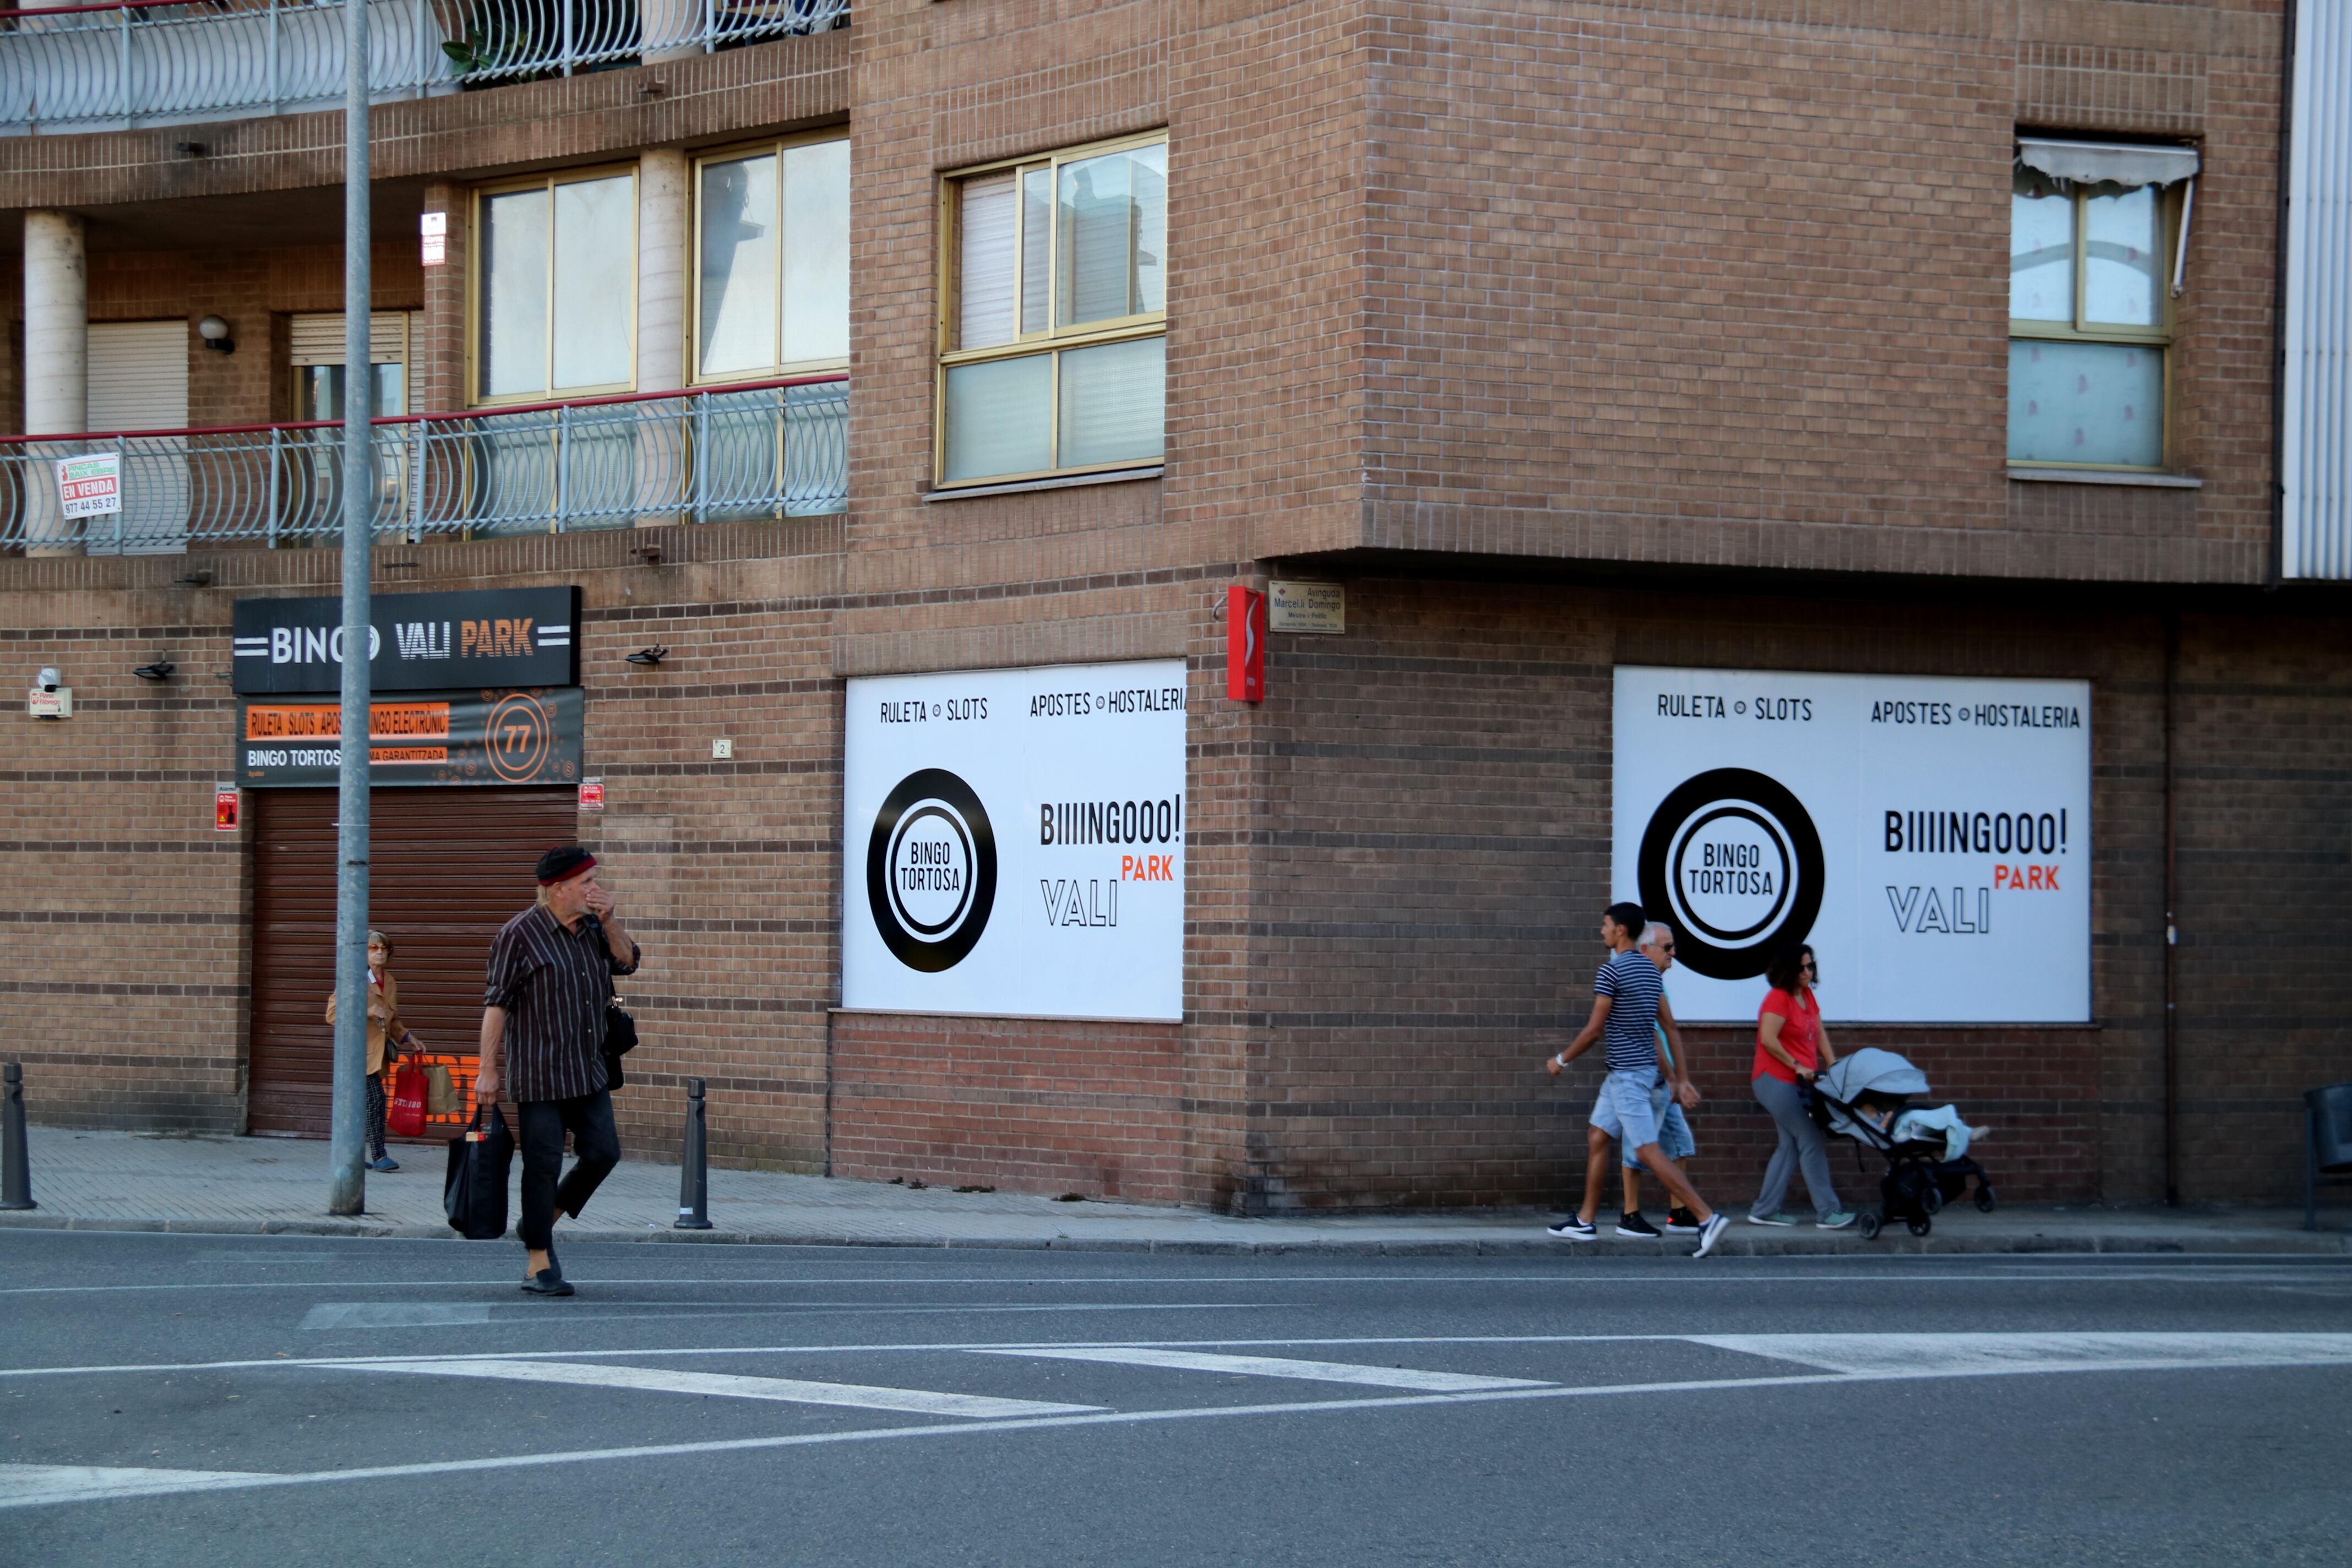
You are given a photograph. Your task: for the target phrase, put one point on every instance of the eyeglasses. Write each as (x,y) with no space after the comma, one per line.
(1809,963)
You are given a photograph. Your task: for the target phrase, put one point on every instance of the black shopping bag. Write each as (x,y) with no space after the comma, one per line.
(474,1196)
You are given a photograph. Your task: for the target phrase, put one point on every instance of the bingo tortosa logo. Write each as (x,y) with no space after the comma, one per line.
(930,870)
(1732,863)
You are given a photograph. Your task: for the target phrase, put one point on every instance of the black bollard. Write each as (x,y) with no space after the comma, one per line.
(16,1163)
(694,1172)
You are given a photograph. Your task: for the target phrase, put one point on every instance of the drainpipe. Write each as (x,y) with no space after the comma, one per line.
(57,363)
(2275,568)
(2171,931)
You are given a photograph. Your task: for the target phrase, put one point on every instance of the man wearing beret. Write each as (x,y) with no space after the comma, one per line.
(550,980)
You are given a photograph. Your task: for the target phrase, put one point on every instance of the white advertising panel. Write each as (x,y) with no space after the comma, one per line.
(1930,837)
(1013,843)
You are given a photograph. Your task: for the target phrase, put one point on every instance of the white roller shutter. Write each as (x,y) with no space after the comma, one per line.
(317,338)
(139,376)
(139,381)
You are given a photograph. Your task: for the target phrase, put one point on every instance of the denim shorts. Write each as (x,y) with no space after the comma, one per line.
(1674,1140)
(1622,1109)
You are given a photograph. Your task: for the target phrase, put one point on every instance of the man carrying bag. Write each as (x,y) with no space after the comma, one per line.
(545,1010)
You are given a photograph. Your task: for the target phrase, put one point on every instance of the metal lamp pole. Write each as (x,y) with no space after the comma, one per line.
(347,1185)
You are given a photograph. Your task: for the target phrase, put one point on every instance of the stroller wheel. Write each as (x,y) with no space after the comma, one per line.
(1986,1202)
(1921,1226)
(1931,1198)
(1868,1225)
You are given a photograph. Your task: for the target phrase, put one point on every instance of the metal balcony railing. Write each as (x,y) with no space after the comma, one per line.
(148,62)
(772,449)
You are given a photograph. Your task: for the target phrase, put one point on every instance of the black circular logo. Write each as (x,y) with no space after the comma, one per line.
(930,870)
(1731,861)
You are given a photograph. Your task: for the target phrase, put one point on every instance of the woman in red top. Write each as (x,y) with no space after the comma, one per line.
(1792,1047)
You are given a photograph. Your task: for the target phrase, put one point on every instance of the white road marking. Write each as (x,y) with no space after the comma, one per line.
(932,1347)
(394,1314)
(1276,1366)
(1106,1418)
(1970,1355)
(22,1485)
(790,1391)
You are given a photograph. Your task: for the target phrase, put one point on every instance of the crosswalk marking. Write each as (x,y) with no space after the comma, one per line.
(790,1391)
(394,1314)
(1278,1366)
(1944,1355)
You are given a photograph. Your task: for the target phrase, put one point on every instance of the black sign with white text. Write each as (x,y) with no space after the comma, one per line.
(417,642)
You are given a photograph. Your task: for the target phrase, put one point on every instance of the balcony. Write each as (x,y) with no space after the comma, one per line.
(160,62)
(768,450)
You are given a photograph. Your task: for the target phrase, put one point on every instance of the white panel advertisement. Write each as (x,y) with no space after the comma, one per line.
(1013,843)
(1930,837)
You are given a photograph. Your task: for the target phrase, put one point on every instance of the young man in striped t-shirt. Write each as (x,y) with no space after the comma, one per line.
(1626,1012)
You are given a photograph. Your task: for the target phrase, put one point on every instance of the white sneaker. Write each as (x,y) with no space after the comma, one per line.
(1712,1232)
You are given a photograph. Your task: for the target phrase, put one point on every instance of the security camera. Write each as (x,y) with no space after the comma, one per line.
(48,679)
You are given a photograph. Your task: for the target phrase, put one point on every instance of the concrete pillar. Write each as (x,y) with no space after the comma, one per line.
(664,432)
(662,208)
(57,366)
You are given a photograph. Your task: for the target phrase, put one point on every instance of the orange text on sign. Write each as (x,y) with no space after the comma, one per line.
(499,638)
(2032,878)
(1147,868)
(324,721)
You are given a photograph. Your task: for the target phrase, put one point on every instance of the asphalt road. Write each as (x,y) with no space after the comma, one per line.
(197,1400)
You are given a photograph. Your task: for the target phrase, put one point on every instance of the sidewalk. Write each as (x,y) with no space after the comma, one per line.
(125,1181)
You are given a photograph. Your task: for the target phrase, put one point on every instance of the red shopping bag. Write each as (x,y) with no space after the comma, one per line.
(406,1117)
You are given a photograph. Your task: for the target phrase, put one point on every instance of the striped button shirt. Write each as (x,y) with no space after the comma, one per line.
(554,983)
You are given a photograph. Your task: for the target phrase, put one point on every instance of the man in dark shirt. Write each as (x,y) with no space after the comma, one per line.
(550,980)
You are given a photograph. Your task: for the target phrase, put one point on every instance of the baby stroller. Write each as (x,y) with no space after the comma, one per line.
(1866,1096)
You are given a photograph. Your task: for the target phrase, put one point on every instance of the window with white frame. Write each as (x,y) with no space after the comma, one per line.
(555,268)
(2093,252)
(771,259)
(1053,331)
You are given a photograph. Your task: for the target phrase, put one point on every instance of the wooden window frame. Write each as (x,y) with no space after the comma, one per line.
(1052,340)
(2080,330)
(474,321)
(734,154)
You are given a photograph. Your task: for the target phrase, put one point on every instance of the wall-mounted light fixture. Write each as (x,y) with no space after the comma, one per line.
(160,671)
(649,656)
(215,331)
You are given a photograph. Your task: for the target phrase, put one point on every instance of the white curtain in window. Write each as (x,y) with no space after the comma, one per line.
(1000,418)
(1114,402)
(514,293)
(2099,405)
(736,280)
(985,267)
(595,253)
(816,252)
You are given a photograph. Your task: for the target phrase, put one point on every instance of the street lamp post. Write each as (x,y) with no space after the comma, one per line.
(347,1185)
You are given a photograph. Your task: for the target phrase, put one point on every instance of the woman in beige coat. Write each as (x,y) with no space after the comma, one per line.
(384,1025)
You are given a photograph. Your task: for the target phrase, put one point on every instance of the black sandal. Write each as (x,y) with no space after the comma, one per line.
(548,1282)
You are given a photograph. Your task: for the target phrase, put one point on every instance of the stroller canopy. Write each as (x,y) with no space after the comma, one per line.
(1868,1069)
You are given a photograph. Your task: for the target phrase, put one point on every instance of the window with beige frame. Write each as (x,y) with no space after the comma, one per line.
(555,287)
(2094,246)
(771,259)
(1054,319)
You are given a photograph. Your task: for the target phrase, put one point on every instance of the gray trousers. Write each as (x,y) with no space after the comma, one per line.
(1801,1143)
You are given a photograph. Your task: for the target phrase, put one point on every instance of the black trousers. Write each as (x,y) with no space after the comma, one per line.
(589,1120)
(375,1113)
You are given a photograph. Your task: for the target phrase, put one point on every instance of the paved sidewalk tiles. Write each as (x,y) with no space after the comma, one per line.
(125,1181)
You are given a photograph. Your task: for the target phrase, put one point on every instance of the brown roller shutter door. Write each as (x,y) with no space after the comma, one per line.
(446,868)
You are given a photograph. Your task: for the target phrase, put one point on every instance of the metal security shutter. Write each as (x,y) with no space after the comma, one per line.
(448,867)
(317,338)
(139,376)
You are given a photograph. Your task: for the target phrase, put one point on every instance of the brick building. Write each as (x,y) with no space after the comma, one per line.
(1571,339)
